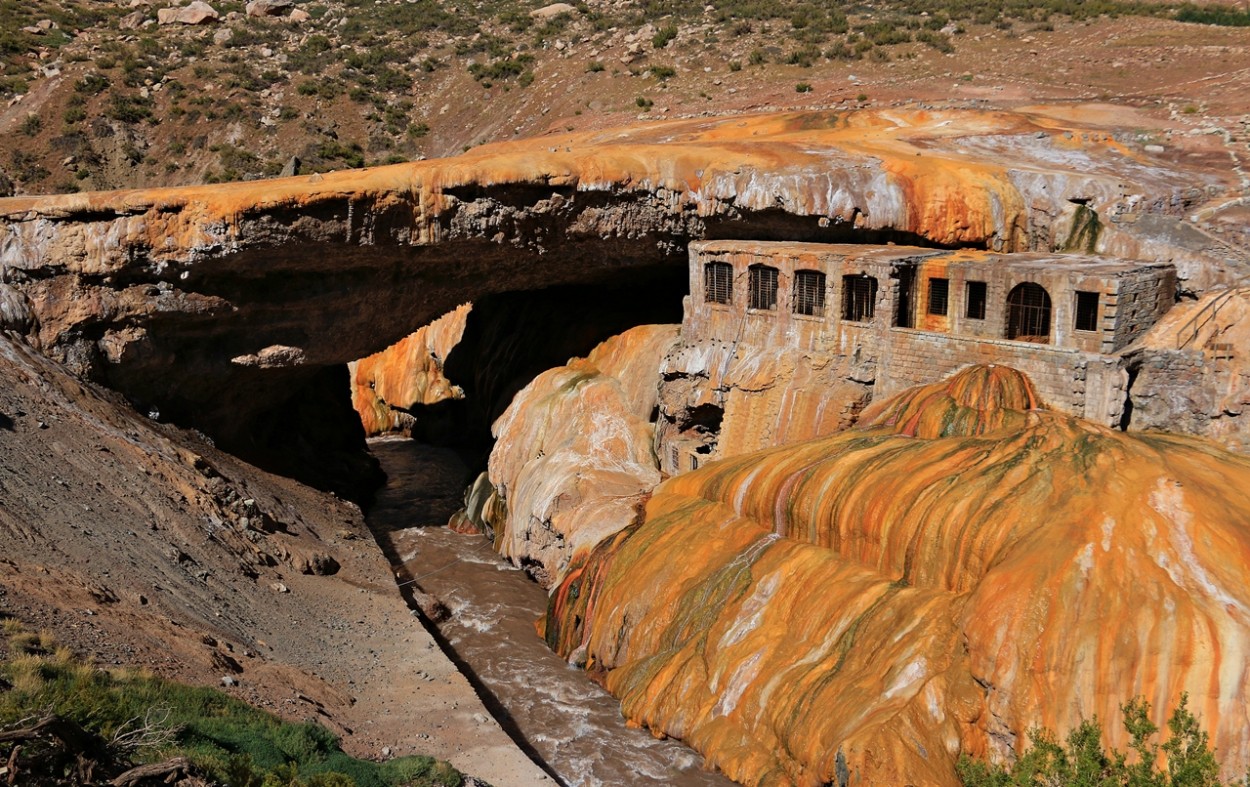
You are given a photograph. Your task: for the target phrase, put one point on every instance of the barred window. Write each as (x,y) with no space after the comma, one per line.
(1086,311)
(809,293)
(1028,314)
(763,287)
(939,296)
(975,299)
(718,282)
(859,298)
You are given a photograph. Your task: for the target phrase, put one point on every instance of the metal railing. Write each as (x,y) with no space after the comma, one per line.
(1203,317)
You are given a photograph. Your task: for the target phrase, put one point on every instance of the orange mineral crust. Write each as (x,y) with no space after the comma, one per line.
(406,374)
(960,569)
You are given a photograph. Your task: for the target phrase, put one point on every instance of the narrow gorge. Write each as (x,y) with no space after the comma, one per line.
(836,445)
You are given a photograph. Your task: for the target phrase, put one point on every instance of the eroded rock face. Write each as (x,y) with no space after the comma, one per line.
(573,460)
(386,386)
(865,606)
(173,295)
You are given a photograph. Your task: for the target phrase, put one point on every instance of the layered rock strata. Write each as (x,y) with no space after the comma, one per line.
(864,607)
(218,306)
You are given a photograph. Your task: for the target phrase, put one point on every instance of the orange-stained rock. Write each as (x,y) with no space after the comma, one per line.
(961,568)
(573,459)
(408,373)
(220,305)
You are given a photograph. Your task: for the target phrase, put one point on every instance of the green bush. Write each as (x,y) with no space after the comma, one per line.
(663,36)
(1081,761)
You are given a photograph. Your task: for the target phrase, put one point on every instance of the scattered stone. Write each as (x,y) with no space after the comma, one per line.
(132,21)
(278,587)
(291,169)
(263,8)
(299,15)
(223,36)
(228,681)
(553,10)
(1154,148)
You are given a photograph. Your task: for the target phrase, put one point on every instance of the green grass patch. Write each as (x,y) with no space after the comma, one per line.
(228,740)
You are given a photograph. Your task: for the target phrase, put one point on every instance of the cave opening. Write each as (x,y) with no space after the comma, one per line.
(510,338)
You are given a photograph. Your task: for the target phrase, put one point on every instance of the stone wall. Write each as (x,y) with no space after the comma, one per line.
(1084,384)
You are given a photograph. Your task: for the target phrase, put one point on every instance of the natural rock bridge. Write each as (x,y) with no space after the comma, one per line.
(232,308)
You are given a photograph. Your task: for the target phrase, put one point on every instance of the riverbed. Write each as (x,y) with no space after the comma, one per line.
(567,723)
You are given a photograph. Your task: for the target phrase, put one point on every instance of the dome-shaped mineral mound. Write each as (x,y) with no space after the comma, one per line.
(866,606)
(977,400)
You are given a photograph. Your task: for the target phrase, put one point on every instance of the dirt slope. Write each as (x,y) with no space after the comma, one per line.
(142,545)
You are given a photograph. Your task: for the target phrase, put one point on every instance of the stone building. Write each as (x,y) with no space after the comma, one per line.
(892,317)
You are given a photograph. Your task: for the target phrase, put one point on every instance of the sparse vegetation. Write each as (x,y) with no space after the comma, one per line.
(1081,761)
(123,718)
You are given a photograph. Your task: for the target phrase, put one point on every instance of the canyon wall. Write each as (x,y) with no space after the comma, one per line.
(219,307)
(573,462)
(863,607)
(141,545)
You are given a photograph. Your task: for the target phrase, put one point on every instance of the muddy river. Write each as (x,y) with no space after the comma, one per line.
(573,728)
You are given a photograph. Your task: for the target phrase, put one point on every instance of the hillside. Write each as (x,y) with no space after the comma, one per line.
(103,95)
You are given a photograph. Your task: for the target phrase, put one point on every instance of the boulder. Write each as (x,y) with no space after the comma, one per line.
(132,21)
(299,15)
(263,8)
(197,13)
(553,10)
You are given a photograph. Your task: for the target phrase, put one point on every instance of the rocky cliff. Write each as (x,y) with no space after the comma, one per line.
(220,306)
(142,545)
(863,607)
(573,462)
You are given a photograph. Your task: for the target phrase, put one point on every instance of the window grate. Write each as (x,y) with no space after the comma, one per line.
(1028,314)
(763,287)
(809,293)
(718,282)
(975,300)
(939,296)
(859,298)
(1086,311)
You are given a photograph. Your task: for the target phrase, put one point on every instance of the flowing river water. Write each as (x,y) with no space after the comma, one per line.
(566,722)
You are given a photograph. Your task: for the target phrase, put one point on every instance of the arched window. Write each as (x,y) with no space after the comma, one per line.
(763,287)
(718,282)
(1028,314)
(809,293)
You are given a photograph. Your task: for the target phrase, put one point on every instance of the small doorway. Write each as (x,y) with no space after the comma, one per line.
(1028,314)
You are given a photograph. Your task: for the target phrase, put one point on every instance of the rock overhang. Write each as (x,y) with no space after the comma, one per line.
(159,292)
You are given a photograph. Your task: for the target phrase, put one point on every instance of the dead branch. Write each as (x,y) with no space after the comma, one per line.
(152,731)
(156,770)
(65,730)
